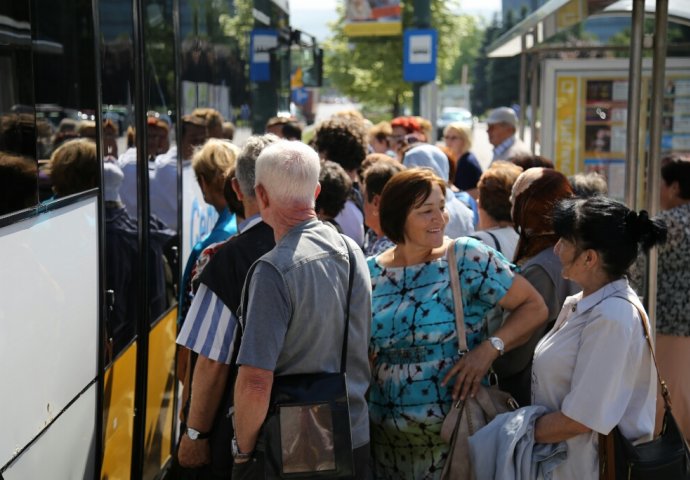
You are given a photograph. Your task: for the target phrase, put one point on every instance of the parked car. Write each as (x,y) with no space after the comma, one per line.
(454,114)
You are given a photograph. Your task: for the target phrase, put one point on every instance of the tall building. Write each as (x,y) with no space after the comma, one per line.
(516,7)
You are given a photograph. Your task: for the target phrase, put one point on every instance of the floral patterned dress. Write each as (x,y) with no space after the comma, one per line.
(415,343)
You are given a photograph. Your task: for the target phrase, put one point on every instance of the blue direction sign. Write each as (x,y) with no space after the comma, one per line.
(262,42)
(300,95)
(419,55)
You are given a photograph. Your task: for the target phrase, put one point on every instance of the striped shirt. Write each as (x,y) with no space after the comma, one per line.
(210,327)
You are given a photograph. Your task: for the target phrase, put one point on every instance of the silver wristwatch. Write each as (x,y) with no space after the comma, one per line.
(498,344)
(236,454)
(195,434)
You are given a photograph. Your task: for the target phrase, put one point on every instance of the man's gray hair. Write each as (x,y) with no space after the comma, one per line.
(289,171)
(245,171)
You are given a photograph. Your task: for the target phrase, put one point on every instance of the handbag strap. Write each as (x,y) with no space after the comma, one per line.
(607,456)
(457,297)
(350,280)
(648,336)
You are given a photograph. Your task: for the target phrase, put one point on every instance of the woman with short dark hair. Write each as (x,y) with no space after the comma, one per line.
(593,370)
(417,370)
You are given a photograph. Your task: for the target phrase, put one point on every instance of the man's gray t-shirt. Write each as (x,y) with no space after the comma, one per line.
(295,315)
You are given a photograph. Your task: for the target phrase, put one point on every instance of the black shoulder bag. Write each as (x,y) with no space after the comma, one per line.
(666,457)
(306,434)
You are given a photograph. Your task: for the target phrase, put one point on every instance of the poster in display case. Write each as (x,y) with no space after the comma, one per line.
(585,114)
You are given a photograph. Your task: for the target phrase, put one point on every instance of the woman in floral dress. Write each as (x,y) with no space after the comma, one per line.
(417,371)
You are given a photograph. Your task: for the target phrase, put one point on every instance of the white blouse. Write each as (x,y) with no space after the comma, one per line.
(596,368)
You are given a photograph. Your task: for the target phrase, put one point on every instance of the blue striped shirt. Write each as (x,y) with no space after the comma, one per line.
(210,328)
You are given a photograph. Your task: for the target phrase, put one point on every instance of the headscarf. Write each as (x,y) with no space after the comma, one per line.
(429,156)
(535,193)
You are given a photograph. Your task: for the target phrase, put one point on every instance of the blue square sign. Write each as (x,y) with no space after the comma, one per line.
(419,55)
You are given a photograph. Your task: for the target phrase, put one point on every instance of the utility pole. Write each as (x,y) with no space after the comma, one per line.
(422,19)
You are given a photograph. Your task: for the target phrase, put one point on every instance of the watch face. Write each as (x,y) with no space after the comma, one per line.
(192,434)
(497,343)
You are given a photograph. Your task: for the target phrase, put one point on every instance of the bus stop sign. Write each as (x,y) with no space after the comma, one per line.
(419,55)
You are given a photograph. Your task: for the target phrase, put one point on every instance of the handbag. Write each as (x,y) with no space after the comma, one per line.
(306,434)
(468,416)
(666,457)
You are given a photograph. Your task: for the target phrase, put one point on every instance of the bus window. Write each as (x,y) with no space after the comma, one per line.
(18,167)
(65,86)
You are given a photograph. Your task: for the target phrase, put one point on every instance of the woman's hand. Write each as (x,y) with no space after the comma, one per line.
(470,370)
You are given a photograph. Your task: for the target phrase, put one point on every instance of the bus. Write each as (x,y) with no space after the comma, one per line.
(88,314)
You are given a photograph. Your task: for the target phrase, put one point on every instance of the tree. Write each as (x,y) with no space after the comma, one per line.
(369,70)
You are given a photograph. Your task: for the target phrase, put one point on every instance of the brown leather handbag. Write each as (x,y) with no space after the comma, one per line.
(466,417)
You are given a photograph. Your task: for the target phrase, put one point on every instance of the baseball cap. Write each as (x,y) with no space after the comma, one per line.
(502,115)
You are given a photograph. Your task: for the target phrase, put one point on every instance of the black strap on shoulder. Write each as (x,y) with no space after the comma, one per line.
(495,239)
(350,280)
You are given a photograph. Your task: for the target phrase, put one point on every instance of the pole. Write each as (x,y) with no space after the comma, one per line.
(422,19)
(634,94)
(523,84)
(654,172)
(534,101)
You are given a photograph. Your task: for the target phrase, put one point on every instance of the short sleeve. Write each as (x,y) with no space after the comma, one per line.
(485,278)
(266,320)
(542,283)
(604,373)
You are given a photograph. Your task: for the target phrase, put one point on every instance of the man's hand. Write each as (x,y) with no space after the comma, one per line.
(193,453)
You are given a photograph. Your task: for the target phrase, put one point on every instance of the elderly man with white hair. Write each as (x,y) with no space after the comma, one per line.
(294,320)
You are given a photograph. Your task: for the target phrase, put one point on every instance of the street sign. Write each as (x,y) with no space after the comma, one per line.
(262,42)
(300,95)
(419,55)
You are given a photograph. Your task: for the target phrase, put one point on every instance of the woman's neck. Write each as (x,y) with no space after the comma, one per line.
(405,255)
(595,281)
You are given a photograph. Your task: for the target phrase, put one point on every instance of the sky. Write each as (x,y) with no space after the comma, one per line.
(312,16)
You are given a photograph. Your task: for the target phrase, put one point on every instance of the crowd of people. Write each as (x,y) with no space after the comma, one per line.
(542,259)
(543,262)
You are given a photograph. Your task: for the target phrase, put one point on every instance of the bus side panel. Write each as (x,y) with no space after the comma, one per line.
(65,450)
(197,216)
(49,317)
(160,394)
(118,415)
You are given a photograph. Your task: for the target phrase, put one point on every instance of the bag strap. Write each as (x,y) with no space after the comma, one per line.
(495,239)
(497,244)
(648,336)
(350,280)
(457,297)
(607,455)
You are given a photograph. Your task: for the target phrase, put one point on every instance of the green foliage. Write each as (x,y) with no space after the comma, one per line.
(497,80)
(369,70)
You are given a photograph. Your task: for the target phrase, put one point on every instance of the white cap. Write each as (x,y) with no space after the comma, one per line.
(502,115)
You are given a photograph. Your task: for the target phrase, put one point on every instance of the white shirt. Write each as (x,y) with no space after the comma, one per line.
(460,217)
(351,220)
(507,238)
(595,367)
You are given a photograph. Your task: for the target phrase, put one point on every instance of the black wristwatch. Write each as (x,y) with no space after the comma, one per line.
(195,434)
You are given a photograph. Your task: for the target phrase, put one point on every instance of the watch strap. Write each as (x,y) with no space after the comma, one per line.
(196,434)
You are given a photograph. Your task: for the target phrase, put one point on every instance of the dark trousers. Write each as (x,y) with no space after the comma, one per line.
(254,468)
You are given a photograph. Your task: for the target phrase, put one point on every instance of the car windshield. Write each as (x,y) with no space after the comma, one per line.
(456,116)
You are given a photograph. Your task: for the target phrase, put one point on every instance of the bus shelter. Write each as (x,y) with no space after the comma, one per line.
(605,106)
